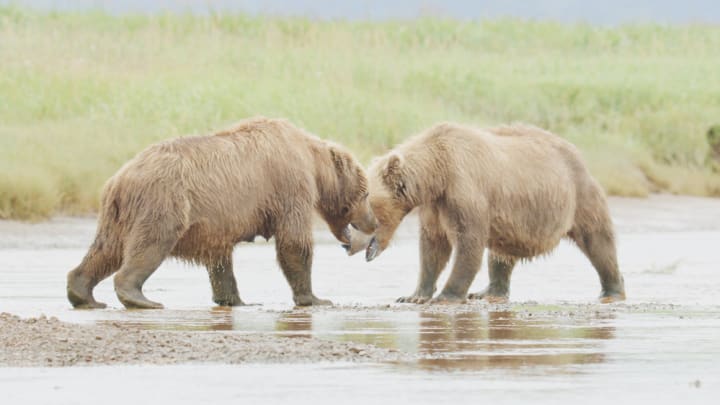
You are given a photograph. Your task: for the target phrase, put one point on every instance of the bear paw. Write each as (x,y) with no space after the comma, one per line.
(307,300)
(80,294)
(91,305)
(233,301)
(491,298)
(448,299)
(414,299)
(134,299)
(607,298)
(478,295)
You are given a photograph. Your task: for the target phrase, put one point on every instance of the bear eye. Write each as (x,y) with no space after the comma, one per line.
(401,188)
(345,210)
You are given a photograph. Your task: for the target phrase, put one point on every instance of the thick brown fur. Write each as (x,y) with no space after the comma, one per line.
(195,198)
(516,190)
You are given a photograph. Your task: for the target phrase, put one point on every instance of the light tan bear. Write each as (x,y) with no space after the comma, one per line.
(195,198)
(515,190)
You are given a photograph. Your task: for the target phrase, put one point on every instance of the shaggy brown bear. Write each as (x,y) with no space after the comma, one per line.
(195,198)
(515,190)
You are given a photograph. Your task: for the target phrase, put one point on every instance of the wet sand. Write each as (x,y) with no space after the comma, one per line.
(551,343)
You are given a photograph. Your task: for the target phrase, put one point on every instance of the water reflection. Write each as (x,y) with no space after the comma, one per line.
(215,319)
(294,324)
(467,340)
(504,339)
(445,341)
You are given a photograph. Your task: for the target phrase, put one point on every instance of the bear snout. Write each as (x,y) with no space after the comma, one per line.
(358,241)
(367,225)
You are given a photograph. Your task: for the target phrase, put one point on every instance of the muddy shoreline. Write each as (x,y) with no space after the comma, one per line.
(49,342)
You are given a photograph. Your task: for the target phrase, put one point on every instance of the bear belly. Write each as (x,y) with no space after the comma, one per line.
(527,242)
(203,242)
(524,249)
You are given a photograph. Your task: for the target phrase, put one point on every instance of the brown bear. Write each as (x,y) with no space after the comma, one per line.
(195,198)
(516,190)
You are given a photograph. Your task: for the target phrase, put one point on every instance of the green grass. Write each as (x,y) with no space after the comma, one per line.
(81,93)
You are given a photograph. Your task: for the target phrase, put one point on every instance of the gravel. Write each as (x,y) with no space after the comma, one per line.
(48,342)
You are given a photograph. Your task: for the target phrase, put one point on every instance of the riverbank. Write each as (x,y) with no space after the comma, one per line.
(85,91)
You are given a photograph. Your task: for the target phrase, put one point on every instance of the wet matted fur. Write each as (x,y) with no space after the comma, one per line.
(195,198)
(516,190)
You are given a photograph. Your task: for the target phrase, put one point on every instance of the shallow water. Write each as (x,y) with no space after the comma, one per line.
(551,344)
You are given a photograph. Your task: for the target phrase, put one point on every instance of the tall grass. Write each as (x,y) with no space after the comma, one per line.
(80,93)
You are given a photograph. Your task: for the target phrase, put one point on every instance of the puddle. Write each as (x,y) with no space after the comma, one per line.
(661,345)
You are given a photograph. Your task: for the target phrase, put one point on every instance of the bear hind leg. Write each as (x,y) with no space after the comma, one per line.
(95,267)
(133,274)
(599,247)
(222,281)
(500,270)
(141,261)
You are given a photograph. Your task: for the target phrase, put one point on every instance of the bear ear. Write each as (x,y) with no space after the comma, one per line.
(392,174)
(339,158)
(394,163)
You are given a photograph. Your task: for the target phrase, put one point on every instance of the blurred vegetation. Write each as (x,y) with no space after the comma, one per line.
(81,93)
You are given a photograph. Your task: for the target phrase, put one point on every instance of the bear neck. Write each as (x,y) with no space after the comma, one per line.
(424,177)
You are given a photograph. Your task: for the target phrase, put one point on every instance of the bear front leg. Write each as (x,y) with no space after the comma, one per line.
(435,252)
(294,253)
(500,269)
(467,263)
(222,281)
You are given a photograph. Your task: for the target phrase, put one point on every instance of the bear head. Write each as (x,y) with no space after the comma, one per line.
(391,198)
(344,196)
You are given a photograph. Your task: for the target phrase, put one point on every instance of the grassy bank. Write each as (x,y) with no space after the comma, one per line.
(80,93)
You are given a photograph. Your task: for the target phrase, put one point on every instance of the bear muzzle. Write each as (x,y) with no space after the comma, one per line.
(357,241)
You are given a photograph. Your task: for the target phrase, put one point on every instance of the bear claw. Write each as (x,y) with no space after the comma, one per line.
(478,295)
(491,298)
(91,305)
(413,299)
(229,302)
